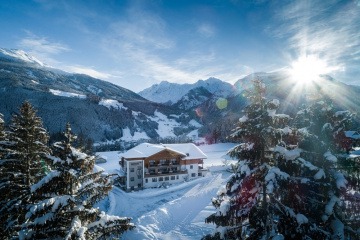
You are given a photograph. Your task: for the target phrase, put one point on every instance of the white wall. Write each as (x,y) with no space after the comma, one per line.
(195,170)
(134,164)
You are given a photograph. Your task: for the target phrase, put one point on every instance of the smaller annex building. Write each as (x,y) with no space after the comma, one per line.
(152,165)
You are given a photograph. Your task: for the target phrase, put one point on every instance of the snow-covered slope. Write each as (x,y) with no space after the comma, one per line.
(98,109)
(170,93)
(18,56)
(193,98)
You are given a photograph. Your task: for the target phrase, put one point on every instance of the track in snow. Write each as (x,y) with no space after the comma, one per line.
(174,213)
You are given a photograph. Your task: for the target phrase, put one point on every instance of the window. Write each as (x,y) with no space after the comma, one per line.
(177,176)
(172,177)
(199,174)
(161,179)
(191,166)
(193,175)
(166,178)
(132,169)
(146,180)
(154,179)
(132,179)
(139,172)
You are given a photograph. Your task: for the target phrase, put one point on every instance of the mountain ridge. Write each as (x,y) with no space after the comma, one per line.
(106,112)
(98,109)
(171,93)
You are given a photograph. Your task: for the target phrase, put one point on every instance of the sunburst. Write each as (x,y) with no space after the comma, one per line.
(307,69)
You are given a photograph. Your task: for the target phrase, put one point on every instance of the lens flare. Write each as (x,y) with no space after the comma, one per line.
(221,103)
(307,69)
(198,112)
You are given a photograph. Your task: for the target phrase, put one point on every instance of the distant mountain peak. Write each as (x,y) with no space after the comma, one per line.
(19,55)
(166,92)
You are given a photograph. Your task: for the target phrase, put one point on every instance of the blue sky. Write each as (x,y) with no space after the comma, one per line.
(137,43)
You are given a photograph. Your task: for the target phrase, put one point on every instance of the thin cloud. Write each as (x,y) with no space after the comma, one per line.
(142,29)
(42,44)
(140,41)
(72,16)
(194,59)
(144,48)
(329,29)
(42,48)
(89,71)
(206,30)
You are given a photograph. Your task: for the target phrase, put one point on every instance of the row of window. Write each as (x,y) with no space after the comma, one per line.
(167,178)
(174,169)
(161,179)
(163,161)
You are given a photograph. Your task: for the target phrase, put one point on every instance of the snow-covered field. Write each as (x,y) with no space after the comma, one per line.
(177,212)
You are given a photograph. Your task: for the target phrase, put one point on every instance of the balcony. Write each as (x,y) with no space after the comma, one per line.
(202,169)
(157,166)
(154,163)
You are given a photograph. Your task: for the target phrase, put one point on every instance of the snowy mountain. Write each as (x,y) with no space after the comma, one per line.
(193,98)
(106,112)
(16,55)
(171,93)
(98,109)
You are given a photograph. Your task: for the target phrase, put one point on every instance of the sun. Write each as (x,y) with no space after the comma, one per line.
(307,69)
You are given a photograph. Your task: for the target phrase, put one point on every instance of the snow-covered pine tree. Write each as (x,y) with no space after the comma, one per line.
(65,198)
(30,143)
(4,177)
(2,136)
(21,166)
(349,165)
(299,178)
(243,202)
(307,204)
(322,152)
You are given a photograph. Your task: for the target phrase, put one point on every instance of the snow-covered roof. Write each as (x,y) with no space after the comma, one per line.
(352,134)
(144,150)
(189,149)
(354,154)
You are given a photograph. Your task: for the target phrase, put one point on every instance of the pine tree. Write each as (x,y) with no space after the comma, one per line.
(21,166)
(286,183)
(65,198)
(4,184)
(326,127)
(317,184)
(30,143)
(2,137)
(244,199)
